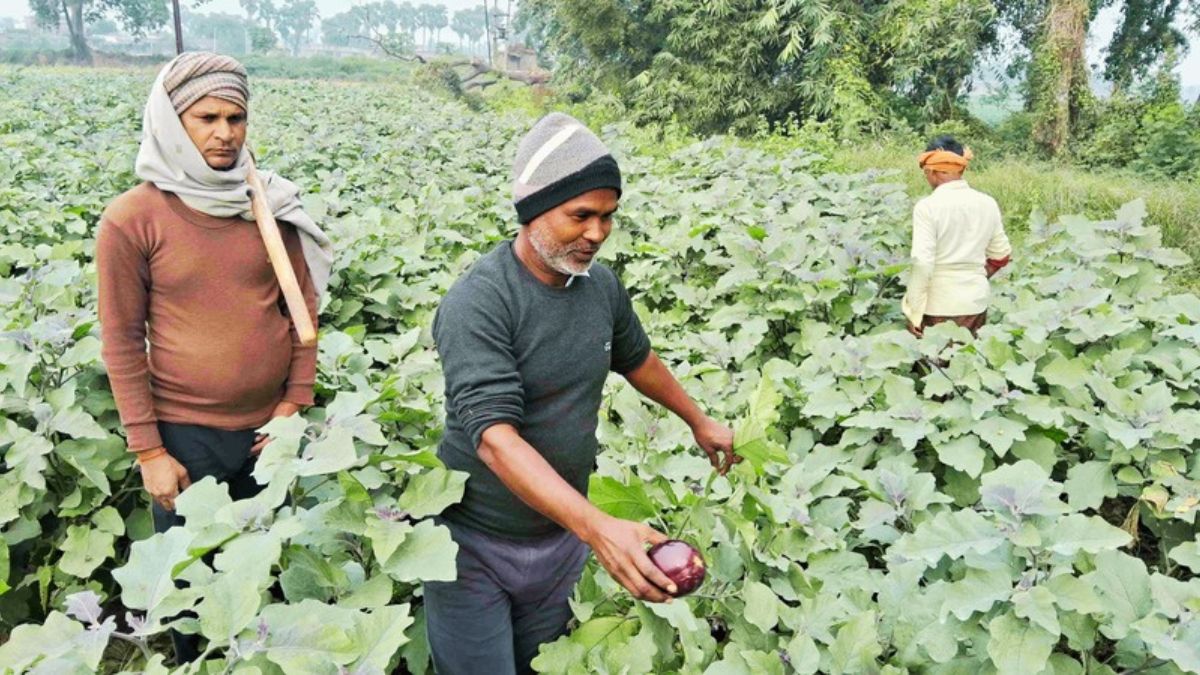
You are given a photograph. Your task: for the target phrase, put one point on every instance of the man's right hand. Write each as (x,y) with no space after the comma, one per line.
(620,546)
(164,479)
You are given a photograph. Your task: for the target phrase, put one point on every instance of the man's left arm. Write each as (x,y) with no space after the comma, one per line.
(656,383)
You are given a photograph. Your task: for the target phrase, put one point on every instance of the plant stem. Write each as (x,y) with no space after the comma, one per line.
(137,642)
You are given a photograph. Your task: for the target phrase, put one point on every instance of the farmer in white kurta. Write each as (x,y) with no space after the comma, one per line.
(958,244)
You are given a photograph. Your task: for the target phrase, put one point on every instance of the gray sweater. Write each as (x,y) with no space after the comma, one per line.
(515,350)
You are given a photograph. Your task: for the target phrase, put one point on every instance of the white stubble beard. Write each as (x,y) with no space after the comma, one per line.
(556,256)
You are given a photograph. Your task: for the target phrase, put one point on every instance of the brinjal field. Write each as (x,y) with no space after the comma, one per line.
(1024,502)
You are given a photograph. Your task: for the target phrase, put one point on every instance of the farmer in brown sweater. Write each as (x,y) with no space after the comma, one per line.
(199,349)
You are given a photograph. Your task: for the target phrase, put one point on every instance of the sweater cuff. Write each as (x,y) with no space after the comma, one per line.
(300,394)
(143,436)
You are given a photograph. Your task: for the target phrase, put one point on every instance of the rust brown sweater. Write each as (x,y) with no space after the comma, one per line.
(221,351)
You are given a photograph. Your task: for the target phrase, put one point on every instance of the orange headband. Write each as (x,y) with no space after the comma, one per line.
(944,160)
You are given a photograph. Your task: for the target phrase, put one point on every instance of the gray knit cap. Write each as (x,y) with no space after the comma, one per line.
(558,160)
(199,74)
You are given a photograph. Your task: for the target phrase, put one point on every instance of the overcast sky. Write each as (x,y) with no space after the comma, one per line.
(1101,32)
(327,7)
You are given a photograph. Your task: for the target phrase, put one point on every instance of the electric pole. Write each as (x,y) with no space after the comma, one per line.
(178,29)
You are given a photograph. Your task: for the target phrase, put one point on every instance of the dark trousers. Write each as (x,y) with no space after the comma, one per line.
(510,598)
(224,455)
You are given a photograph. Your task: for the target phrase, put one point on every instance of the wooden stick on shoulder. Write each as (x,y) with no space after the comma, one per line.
(277,253)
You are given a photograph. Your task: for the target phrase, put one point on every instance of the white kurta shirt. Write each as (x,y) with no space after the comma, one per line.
(956,230)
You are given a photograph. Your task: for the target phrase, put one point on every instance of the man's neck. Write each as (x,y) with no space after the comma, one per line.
(956,180)
(528,256)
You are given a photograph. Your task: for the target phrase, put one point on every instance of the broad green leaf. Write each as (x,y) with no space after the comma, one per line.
(1021,489)
(804,655)
(1065,372)
(949,533)
(1039,449)
(635,656)
(308,638)
(698,645)
(1088,484)
(977,591)
(84,607)
(27,457)
(1074,594)
(857,645)
(279,456)
(999,432)
(331,454)
(377,637)
(1037,605)
(372,594)
(762,605)
(1018,646)
(386,536)
(199,503)
(563,656)
(1124,585)
(1188,555)
(619,500)
(230,603)
(58,645)
(347,404)
(84,550)
(751,438)
(1078,532)
(250,554)
(76,423)
(1180,645)
(5,566)
(108,519)
(680,615)
(426,554)
(146,579)
(310,576)
(429,493)
(963,453)
(605,632)
(415,652)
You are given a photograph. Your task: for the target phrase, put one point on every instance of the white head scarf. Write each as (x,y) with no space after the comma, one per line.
(170,160)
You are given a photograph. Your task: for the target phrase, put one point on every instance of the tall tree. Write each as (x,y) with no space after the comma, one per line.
(381,24)
(1146,32)
(468,25)
(409,19)
(224,33)
(732,65)
(1058,76)
(438,20)
(262,11)
(431,18)
(293,20)
(135,16)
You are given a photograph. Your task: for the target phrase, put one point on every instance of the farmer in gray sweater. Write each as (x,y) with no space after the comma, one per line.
(527,338)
